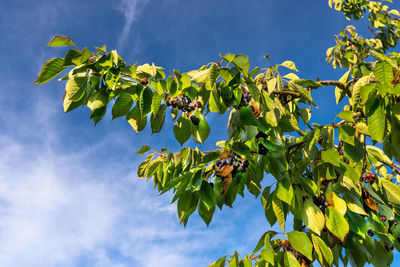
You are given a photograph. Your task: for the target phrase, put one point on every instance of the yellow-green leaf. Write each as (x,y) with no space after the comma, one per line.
(335,201)
(336,223)
(313,217)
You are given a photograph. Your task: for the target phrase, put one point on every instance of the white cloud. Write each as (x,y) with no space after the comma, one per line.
(79,209)
(131,9)
(54,211)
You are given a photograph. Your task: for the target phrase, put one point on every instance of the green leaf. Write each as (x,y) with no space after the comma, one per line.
(228,57)
(242,62)
(357,88)
(391,191)
(72,58)
(290,260)
(147,69)
(241,149)
(75,87)
(60,40)
(254,91)
(206,213)
(207,195)
(376,121)
(268,253)
(279,212)
(114,56)
(136,120)
(213,73)
(336,202)
(396,111)
(86,53)
(51,68)
(346,133)
(289,64)
(143,150)
(301,243)
(331,156)
(97,114)
(302,92)
(143,166)
(346,115)
(156,102)
(145,101)
(383,72)
(219,263)
(313,217)
(69,105)
(336,223)
(340,93)
(101,49)
(201,131)
(122,105)
(247,116)
(284,191)
(306,83)
(365,92)
(97,100)
(181,132)
(322,250)
(199,76)
(187,204)
(246,263)
(157,120)
(383,57)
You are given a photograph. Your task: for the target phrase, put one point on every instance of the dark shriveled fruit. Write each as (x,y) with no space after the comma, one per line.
(371,232)
(194,120)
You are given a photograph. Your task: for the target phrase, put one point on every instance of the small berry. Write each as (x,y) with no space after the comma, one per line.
(260,134)
(262,150)
(194,120)
(320,140)
(144,81)
(371,232)
(383,218)
(246,163)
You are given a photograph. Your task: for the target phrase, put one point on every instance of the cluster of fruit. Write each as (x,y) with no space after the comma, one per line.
(228,166)
(388,247)
(262,150)
(369,178)
(340,148)
(232,163)
(182,102)
(246,98)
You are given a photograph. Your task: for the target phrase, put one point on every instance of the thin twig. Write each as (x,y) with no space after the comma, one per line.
(295,146)
(393,166)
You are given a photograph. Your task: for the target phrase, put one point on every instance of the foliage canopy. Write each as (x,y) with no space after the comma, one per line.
(339,180)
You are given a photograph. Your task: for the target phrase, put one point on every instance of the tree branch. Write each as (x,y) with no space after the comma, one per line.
(355,115)
(395,167)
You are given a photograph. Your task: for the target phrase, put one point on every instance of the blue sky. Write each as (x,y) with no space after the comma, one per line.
(69,194)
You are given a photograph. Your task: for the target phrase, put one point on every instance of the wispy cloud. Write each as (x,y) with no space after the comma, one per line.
(131,9)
